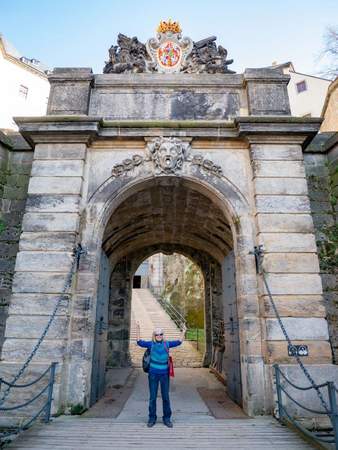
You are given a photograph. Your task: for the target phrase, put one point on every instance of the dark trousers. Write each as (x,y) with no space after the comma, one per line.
(154,380)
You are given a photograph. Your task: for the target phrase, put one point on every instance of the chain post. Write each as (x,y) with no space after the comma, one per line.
(334,409)
(50,391)
(258,254)
(279,393)
(78,252)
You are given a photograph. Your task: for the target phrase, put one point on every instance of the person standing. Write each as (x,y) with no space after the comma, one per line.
(159,372)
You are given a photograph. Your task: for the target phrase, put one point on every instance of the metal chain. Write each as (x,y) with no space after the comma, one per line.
(258,252)
(77,252)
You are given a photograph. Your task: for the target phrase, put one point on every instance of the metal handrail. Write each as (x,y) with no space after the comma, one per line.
(301,388)
(259,254)
(28,402)
(27,384)
(331,409)
(174,314)
(46,408)
(331,412)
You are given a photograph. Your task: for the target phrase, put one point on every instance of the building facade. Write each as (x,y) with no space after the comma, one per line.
(24,88)
(307,93)
(168,151)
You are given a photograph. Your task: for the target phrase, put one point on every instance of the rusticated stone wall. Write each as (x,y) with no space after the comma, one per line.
(15,167)
(321,165)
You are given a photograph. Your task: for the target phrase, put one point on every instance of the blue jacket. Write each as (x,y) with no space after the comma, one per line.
(159,355)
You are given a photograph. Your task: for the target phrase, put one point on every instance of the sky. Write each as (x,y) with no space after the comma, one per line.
(78,33)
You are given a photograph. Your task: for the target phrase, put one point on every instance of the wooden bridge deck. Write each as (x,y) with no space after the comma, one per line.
(70,433)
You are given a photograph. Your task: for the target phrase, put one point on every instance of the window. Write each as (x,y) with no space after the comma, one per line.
(23,91)
(301,86)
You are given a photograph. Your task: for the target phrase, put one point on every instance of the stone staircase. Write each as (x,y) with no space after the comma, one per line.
(146,310)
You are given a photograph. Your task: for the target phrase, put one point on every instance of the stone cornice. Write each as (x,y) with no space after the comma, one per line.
(264,129)
(181,80)
(265,76)
(82,128)
(70,74)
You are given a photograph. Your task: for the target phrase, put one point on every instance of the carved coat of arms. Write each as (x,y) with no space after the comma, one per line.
(167,53)
(169,50)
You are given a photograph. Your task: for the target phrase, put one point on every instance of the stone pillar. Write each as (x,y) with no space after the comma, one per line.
(285,229)
(49,234)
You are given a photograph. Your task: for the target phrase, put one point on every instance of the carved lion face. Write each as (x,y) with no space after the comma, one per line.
(168,154)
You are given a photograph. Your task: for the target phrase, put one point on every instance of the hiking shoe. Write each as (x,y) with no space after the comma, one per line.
(150,424)
(168,424)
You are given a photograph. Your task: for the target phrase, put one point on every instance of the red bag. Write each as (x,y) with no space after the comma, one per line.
(171,367)
(171,362)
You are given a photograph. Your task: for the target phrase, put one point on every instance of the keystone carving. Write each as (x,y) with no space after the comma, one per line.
(168,154)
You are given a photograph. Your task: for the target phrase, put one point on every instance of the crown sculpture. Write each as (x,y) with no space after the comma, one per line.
(168,52)
(172,27)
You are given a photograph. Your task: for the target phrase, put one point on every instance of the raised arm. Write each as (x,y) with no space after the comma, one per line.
(138,333)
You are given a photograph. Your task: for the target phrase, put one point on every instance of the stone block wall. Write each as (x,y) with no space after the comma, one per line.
(321,165)
(286,231)
(15,167)
(42,262)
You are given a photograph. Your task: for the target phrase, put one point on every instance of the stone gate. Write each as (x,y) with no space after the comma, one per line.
(169,151)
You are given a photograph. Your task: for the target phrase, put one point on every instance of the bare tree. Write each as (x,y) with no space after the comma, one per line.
(330,52)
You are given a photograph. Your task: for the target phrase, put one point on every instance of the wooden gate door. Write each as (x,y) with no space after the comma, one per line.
(100,344)
(232,363)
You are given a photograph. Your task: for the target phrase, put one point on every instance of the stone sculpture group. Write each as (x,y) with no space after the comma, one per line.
(132,56)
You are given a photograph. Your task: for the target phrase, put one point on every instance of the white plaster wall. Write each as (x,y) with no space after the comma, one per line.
(310,101)
(12,75)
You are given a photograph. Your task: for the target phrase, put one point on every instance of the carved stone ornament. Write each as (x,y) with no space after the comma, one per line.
(207,165)
(168,154)
(169,50)
(167,53)
(207,57)
(129,55)
(126,165)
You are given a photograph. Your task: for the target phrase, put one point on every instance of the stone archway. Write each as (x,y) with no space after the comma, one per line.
(121,294)
(232,229)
